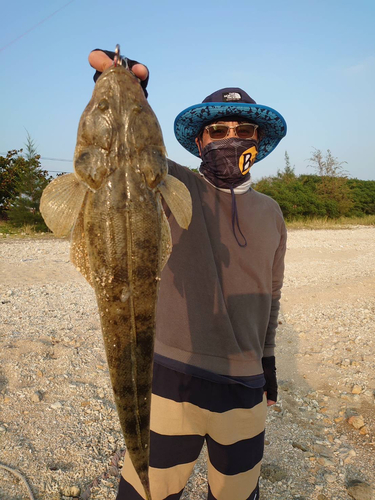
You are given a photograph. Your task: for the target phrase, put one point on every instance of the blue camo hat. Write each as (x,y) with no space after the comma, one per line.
(227,103)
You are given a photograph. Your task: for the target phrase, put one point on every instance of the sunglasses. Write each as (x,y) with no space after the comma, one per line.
(220,130)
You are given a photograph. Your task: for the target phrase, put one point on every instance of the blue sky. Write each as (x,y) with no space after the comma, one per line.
(313,61)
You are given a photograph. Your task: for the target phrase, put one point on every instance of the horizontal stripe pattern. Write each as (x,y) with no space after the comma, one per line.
(164,483)
(253,496)
(203,393)
(187,419)
(127,492)
(169,451)
(239,487)
(234,435)
(238,457)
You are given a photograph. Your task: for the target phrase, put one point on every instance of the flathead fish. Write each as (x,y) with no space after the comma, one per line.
(120,237)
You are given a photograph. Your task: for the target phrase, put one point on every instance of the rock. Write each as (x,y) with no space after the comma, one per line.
(36,397)
(322,497)
(325,462)
(113,471)
(2,429)
(322,450)
(56,406)
(359,490)
(71,491)
(356,389)
(273,473)
(356,421)
(330,478)
(55,496)
(299,446)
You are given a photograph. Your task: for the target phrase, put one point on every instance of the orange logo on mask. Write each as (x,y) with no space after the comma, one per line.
(247,159)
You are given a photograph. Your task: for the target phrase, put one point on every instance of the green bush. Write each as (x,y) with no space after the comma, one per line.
(313,196)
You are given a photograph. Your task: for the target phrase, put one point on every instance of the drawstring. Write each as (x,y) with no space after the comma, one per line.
(235,219)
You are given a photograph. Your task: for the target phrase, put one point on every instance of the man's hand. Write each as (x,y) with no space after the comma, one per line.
(269,369)
(100,61)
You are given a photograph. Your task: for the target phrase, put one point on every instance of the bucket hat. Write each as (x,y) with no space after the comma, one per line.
(228,103)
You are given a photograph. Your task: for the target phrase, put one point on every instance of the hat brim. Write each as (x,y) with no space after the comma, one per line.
(189,123)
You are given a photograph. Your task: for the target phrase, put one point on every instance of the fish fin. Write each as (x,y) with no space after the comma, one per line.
(178,198)
(78,249)
(61,202)
(166,241)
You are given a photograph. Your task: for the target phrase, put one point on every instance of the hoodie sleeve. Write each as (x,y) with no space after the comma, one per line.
(277,283)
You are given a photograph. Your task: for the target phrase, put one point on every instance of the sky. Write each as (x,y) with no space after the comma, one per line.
(311,60)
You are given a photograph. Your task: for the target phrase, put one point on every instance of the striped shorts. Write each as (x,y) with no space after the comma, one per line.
(186,411)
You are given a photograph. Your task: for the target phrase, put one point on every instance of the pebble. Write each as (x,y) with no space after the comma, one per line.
(36,397)
(71,491)
(273,472)
(331,478)
(324,461)
(299,446)
(356,421)
(357,389)
(360,490)
(56,406)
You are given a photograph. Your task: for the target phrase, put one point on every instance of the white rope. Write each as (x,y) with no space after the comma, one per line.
(20,476)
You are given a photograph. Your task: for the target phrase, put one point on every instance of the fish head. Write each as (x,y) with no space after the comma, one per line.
(117,128)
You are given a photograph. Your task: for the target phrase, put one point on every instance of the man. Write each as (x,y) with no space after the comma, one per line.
(218,304)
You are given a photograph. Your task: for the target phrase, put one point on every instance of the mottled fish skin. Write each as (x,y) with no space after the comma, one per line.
(120,155)
(120,238)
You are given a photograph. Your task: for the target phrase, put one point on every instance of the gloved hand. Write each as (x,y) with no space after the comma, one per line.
(269,369)
(103,59)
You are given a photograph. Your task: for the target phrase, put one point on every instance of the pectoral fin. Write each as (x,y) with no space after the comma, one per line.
(78,249)
(61,203)
(178,198)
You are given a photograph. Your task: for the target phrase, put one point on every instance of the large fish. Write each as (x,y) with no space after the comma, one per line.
(120,237)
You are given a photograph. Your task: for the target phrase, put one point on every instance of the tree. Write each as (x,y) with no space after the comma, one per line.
(287,175)
(333,186)
(24,205)
(12,168)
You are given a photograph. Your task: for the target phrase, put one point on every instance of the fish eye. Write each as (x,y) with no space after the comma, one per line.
(103,105)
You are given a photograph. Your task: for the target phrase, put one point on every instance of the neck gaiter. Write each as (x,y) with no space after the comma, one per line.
(226,163)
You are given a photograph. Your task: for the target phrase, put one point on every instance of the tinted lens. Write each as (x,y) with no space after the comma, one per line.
(245,130)
(217,131)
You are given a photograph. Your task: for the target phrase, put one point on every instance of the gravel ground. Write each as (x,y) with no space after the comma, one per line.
(58,423)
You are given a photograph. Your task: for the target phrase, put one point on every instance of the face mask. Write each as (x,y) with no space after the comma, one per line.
(226,163)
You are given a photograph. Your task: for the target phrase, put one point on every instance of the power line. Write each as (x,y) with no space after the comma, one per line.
(44,158)
(55,159)
(36,25)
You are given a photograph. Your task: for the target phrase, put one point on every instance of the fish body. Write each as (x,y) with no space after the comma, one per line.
(120,237)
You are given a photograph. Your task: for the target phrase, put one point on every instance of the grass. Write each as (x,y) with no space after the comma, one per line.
(325,223)
(7,230)
(30,231)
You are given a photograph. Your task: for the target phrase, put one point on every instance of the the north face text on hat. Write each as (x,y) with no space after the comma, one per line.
(231,96)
